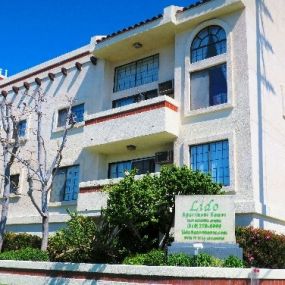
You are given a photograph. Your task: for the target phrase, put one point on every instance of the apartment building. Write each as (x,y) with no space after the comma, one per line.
(200,86)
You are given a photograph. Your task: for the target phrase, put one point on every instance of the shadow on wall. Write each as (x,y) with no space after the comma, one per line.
(65,269)
(262,46)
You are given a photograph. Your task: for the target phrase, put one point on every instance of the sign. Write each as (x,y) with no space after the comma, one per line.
(205,218)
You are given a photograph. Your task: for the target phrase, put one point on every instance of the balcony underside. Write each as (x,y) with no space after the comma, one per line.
(141,143)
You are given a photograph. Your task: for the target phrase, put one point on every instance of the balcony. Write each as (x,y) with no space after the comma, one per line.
(144,124)
(92,199)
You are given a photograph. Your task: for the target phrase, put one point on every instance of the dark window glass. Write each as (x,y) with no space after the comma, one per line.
(65,185)
(14,183)
(212,158)
(118,169)
(22,125)
(77,112)
(144,165)
(135,98)
(136,73)
(209,42)
(209,87)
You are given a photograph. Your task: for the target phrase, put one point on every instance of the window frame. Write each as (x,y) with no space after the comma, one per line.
(231,137)
(131,161)
(204,64)
(64,192)
(115,90)
(210,160)
(66,109)
(18,185)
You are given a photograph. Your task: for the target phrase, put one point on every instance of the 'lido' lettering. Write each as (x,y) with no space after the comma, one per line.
(211,206)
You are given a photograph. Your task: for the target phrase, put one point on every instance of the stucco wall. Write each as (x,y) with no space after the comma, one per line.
(252,120)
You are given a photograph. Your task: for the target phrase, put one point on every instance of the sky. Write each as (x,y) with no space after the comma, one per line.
(34,31)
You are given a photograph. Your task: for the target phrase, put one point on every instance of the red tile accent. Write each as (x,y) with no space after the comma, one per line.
(91,189)
(134,111)
(45,69)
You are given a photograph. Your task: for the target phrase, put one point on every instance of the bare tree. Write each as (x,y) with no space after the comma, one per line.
(9,139)
(42,165)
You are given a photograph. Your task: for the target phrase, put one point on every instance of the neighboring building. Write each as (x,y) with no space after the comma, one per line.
(4,74)
(201,86)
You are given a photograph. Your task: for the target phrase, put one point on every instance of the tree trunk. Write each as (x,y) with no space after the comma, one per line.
(45,232)
(45,220)
(5,201)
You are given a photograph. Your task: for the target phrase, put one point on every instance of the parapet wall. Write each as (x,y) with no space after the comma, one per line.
(27,272)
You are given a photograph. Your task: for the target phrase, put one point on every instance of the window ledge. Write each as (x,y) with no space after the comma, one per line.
(208,110)
(62,203)
(76,126)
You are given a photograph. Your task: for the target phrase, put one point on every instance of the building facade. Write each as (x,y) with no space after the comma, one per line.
(200,86)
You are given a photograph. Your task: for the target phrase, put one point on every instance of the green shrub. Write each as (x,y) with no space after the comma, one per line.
(152,258)
(262,248)
(179,259)
(31,254)
(157,258)
(74,243)
(205,260)
(143,208)
(15,241)
(233,261)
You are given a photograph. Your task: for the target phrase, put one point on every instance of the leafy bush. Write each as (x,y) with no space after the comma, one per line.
(15,241)
(179,259)
(262,248)
(152,258)
(233,261)
(205,260)
(143,208)
(73,243)
(31,254)
(157,258)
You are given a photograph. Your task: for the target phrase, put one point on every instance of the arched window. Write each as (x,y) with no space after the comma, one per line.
(209,42)
(208,81)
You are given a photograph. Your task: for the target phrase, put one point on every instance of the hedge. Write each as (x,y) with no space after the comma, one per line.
(262,248)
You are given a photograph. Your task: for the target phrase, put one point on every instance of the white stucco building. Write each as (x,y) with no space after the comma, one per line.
(201,86)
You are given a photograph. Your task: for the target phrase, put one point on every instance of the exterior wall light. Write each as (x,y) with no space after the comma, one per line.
(131,147)
(137,45)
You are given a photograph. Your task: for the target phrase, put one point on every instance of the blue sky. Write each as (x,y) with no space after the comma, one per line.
(33,31)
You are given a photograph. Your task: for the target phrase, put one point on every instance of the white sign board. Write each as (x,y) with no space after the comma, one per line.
(205,218)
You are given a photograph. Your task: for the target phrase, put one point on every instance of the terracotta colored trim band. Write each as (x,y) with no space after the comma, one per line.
(134,111)
(91,189)
(45,69)
(131,278)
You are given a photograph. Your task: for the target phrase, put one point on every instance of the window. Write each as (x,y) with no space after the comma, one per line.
(209,87)
(77,111)
(144,165)
(134,98)
(136,73)
(65,184)
(212,158)
(209,42)
(14,183)
(22,125)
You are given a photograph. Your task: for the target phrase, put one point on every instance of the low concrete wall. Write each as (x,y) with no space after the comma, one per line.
(26,272)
